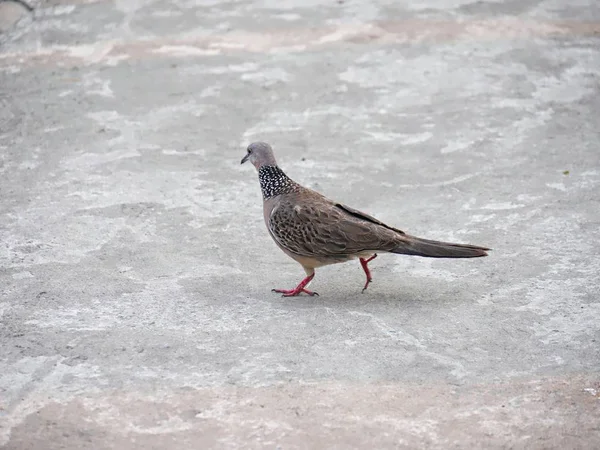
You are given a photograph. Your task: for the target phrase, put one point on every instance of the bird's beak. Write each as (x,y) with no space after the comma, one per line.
(245,158)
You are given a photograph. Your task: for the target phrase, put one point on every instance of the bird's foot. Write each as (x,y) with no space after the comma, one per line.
(363,263)
(366,284)
(298,289)
(294,292)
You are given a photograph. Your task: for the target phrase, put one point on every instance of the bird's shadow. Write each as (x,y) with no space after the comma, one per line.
(387,289)
(338,286)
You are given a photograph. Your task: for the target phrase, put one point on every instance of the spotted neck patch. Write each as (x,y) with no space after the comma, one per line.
(273,182)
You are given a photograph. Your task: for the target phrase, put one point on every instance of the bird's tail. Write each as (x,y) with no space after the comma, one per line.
(435,249)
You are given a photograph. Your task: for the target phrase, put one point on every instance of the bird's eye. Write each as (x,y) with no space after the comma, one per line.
(249,151)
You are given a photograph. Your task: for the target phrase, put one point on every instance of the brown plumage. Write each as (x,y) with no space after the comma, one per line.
(316,231)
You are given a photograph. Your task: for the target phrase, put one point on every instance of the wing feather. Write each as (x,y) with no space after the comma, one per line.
(321,228)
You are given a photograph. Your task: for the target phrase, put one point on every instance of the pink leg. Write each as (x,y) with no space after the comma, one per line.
(298,289)
(363,263)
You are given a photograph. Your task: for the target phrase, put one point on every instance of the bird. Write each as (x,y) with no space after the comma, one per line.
(316,231)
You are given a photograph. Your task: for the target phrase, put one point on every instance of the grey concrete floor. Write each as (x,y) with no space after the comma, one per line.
(136,271)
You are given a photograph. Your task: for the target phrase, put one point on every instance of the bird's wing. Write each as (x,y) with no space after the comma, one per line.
(361,215)
(317,227)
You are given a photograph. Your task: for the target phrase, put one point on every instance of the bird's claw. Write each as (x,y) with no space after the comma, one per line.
(369,280)
(294,292)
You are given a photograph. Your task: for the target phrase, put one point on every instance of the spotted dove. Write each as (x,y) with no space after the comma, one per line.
(316,231)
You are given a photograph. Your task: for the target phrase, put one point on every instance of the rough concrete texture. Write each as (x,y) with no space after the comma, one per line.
(136,309)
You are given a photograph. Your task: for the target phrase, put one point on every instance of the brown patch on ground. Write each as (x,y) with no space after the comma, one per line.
(299,40)
(541,413)
(50,3)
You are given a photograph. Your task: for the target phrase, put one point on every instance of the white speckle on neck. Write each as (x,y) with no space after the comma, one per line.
(273,182)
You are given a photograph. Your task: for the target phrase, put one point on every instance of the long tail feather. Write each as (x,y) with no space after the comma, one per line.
(435,249)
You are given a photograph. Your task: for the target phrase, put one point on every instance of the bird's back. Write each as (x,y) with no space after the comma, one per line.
(306,223)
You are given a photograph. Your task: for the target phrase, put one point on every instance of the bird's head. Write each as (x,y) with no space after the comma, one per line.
(260,154)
